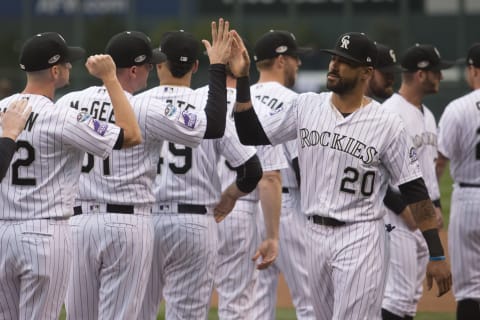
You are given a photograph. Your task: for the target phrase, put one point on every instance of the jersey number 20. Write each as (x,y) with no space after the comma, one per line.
(350,180)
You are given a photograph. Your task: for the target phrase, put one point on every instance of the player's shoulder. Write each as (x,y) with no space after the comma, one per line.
(394,102)
(87,93)
(469,100)
(309,99)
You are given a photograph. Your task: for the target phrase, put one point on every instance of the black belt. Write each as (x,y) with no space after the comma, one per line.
(468,185)
(285,190)
(110,208)
(191,208)
(326,221)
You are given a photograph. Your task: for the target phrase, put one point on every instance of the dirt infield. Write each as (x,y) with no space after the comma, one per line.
(429,301)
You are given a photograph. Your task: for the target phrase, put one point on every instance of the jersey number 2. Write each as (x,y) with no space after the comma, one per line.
(16,180)
(352,176)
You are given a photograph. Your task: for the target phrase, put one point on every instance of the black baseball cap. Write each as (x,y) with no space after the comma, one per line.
(386,59)
(424,57)
(277,42)
(133,48)
(45,50)
(355,47)
(180,47)
(473,56)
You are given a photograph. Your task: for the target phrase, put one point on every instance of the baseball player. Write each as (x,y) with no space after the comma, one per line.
(421,76)
(459,143)
(348,149)
(12,122)
(380,85)
(238,238)
(38,191)
(108,281)
(187,188)
(277,60)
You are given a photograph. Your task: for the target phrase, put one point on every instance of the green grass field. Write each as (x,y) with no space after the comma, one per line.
(289,313)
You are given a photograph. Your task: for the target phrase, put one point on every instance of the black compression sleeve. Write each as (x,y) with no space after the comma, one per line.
(249,174)
(249,128)
(296,169)
(118,145)
(394,201)
(414,191)
(7,149)
(216,108)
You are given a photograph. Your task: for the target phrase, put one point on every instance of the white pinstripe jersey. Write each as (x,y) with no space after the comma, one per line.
(459,137)
(272,95)
(345,163)
(126,177)
(43,178)
(188,175)
(422,128)
(271,158)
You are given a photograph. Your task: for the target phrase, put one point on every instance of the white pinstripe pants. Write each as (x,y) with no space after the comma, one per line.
(35,260)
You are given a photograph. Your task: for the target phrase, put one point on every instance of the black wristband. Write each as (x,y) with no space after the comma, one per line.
(437,203)
(243,89)
(433,242)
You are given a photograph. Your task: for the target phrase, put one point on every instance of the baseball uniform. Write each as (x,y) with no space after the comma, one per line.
(238,237)
(459,141)
(112,226)
(37,197)
(187,187)
(272,96)
(402,296)
(345,164)
(8,148)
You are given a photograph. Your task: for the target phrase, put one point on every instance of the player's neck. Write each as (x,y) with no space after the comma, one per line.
(411,94)
(184,81)
(41,89)
(349,103)
(271,77)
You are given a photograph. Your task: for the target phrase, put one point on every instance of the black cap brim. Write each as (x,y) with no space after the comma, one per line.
(157,56)
(342,54)
(74,54)
(445,64)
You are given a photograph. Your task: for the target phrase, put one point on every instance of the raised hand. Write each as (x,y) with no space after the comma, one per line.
(239,60)
(219,50)
(102,67)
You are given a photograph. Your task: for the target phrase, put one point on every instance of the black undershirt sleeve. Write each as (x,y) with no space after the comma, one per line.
(414,191)
(118,145)
(249,128)
(249,174)
(296,169)
(394,201)
(7,149)
(216,108)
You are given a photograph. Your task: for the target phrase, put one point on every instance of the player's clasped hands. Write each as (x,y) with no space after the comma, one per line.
(440,271)
(101,66)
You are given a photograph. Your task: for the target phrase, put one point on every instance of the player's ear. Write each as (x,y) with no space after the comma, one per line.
(367,72)
(195,66)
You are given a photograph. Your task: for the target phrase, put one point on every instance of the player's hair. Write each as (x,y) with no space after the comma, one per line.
(179,70)
(265,64)
(407,77)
